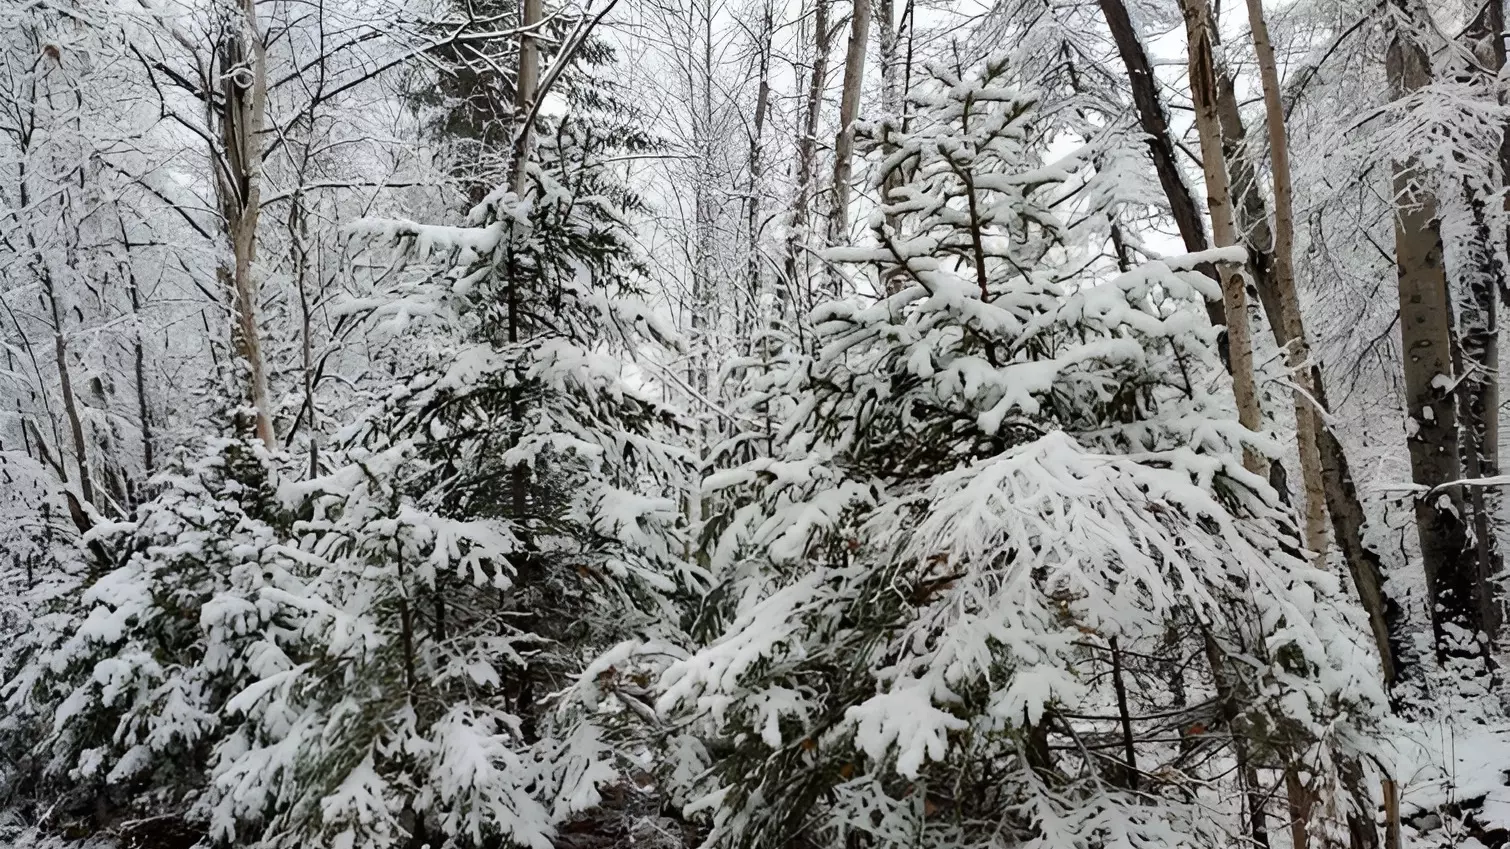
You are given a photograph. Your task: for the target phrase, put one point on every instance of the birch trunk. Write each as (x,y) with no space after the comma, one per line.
(1301,799)
(243,70)
(1343,504)
(1297,352)
(526,81)
(849,107)
(1201,39)
(1426,345)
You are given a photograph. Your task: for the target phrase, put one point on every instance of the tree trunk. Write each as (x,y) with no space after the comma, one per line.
(1301,801)
(1154,121)
(1229,708)
(1391,814)
(1480,283)
(757,166)
(139,371)
(41,262)
(1343,505)
(891,109)
(849,107)
(527,79)
(298,242)
(1201,38)
(243,70)
(807,148)
(1298,353)
(1426,344)
(1476,360)
(1129,767)
(65,388)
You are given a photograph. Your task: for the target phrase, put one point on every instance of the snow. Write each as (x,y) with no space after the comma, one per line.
(1452,762)
(907,720)
(33,838)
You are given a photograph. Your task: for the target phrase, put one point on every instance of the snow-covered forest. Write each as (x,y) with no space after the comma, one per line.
(742,424)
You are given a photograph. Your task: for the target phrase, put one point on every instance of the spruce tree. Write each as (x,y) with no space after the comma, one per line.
(396,651)
(1003,494)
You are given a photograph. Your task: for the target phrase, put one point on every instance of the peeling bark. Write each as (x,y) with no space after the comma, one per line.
(238,187)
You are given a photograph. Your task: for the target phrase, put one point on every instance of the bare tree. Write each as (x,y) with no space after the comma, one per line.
(849,107)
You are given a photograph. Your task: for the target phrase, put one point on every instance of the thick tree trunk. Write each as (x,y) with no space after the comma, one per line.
(849,108)
(1426,344)
(1200,38)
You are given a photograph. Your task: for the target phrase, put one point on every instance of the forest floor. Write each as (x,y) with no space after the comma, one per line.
(1449,769)
(1443,770)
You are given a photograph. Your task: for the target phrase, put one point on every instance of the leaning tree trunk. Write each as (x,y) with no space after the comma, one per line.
(1343,504)
(1426,341)
(1154,121)
(1201,40)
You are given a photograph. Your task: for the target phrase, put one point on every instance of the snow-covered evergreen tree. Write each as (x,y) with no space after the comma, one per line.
(1007,492)
(368,657)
